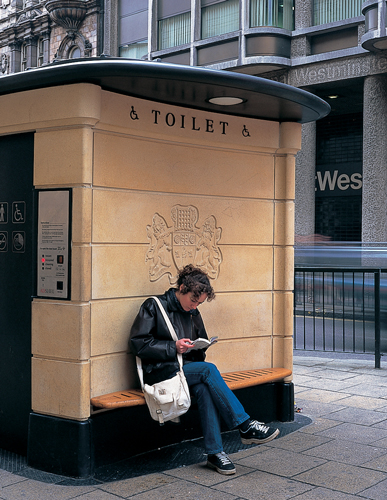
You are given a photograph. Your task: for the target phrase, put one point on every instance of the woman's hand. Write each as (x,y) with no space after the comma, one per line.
(183,345)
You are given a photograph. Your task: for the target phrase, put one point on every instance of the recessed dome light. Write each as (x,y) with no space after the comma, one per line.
(225,101)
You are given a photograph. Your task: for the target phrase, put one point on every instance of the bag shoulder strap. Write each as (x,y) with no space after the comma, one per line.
(166,318)
(173,335)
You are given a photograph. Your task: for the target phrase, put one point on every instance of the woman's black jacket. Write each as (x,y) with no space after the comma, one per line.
(151,341)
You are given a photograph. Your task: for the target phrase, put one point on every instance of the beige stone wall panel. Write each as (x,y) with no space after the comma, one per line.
(111,321)
(283,268)
(284,223)
(285,178)
(61,330)
(289,137)
(283,354)
(283,314)
(123,216)
(245,354)
(63,157)
(121,271)
(61,388)
(115,372)
(81,273)
(144,118)
(147,165)
(238,315)
(81,228)
(61,106)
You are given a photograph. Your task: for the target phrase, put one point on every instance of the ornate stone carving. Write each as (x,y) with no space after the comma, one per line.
(4,63)
(69,14)
(171,248)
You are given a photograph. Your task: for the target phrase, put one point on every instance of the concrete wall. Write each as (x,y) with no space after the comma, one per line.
(129,160)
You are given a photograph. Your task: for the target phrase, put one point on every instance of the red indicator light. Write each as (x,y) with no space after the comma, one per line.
(43,259)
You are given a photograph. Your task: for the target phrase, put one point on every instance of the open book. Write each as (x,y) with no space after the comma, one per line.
(203,343)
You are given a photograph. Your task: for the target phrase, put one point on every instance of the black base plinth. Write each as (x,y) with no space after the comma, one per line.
(77,449)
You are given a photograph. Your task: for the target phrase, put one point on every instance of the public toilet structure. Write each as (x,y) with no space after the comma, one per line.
(114,174)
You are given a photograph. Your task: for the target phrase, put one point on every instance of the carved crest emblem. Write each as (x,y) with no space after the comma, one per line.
(173,247)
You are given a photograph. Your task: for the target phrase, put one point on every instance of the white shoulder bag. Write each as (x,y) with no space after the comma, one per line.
(169,399)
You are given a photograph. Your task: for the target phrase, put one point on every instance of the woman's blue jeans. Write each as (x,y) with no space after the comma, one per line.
(215,400)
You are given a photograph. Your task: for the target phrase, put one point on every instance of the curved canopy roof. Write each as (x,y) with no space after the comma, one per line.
(179,85)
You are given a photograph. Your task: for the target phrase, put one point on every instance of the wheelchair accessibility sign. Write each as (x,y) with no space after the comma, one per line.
(19,212)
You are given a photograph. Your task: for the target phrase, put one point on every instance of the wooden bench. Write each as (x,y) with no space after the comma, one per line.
(234,380)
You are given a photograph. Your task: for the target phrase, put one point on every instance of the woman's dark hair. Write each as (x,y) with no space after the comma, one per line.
(195,281)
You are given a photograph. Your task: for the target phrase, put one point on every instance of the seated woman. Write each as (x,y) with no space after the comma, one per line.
(151,341)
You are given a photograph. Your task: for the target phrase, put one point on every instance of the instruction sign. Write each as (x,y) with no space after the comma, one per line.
(53,244)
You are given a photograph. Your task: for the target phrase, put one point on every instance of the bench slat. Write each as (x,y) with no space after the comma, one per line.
(119,399)
(234,380)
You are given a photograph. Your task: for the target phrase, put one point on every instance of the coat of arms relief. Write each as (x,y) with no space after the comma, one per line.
(173,247)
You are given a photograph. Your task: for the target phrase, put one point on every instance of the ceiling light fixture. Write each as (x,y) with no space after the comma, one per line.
(333,96)
(226,101)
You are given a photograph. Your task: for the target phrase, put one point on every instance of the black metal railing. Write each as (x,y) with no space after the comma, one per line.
(341,310)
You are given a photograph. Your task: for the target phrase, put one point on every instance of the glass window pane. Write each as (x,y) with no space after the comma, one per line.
(134,50)
(220,18)
(276,13)
(329,11)
(175,31)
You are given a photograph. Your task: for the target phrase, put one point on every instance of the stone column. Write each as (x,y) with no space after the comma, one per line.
(374,206)
(303,12)
(303,18)
(15,56)
(305,182)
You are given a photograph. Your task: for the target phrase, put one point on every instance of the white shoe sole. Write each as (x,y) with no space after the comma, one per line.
(221,471)
(260,441)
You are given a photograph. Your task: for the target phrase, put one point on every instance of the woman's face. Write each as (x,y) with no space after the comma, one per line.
(188,301)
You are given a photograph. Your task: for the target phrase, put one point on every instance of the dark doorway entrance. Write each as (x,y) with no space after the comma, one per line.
(17,250)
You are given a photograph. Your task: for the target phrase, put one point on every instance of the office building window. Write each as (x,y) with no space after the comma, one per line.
(329,11)
(276,13)
(221,17)
(175,30)
(135,50)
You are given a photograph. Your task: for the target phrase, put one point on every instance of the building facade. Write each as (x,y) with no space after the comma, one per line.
(336,49)
(34,33)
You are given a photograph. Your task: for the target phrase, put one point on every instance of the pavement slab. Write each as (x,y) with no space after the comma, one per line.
(336,449)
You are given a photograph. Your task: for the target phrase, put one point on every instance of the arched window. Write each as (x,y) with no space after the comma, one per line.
(74,52)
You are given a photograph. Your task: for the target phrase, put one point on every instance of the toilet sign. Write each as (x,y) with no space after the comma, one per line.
(53,244)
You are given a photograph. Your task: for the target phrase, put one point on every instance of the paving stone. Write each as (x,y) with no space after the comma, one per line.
(137,484)
(318,425)
(201,474)
(298,442)
(377,492)
(379,463)
(365,402)
(36,490)
(7,478)
(341,477)
(281,462)
(324,494)
(376,391)
(263,486)
(358,416)
(355,432)
(329,384)
(323,396)
(346,452)
(185,490)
